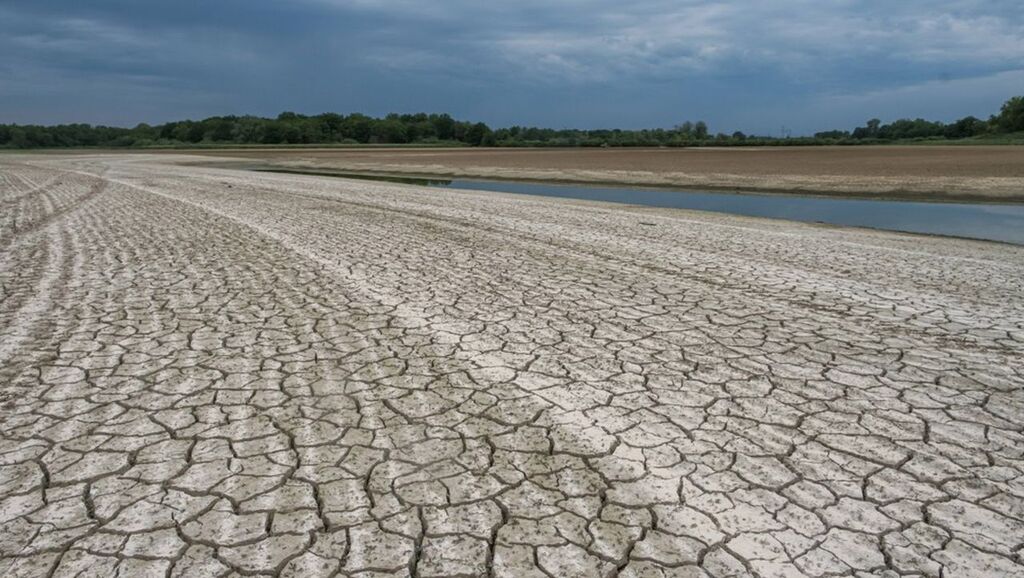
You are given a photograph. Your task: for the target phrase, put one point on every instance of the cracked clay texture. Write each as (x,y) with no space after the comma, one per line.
(209,372)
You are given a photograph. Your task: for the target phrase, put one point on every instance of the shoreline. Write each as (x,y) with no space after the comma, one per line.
(661,211)
(399,173)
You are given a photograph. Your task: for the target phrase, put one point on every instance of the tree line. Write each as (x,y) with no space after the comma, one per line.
(290,128)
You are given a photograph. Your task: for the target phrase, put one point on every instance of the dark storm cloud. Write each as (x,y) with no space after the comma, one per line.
(741,64)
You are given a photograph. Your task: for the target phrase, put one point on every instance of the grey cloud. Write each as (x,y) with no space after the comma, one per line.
(567,63)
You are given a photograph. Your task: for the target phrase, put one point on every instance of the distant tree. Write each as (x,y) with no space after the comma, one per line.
(144,131)
(390,130)
(273,133)
(423,130)
(459,130)
(167,130)
(1011,115)
(18,138)
(910,129)
(700,130)
(249,129)
(869,130)
(330,126)
(966,127)
(444,126)
(181,130)
(222,130)
(477,133)
(832,134)
(358,127)
(195,133)
(293,128)
(292,133)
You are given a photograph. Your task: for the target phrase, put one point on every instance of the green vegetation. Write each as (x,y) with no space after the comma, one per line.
(290,128)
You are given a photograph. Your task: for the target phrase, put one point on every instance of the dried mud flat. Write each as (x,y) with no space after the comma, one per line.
(950,173)
(209,372)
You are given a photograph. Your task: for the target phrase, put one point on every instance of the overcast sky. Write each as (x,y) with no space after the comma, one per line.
(752,65)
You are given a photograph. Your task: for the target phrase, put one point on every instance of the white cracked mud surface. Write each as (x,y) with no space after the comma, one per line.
(208,372)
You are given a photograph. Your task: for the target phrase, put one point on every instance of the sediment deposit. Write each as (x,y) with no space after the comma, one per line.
(209,372)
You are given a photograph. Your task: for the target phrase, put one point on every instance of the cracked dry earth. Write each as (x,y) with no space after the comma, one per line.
(208,372)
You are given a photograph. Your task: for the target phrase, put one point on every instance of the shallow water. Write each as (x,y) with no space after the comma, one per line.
(996,222)
(974,220)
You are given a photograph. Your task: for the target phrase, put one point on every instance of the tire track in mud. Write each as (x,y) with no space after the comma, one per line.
(10,194)
(37,266)
(307,230)
(55,208)
(46,204)
(120,241)
(191,220)
(319,224)
(34,320)
(720,270)
(248,236)
(502,422)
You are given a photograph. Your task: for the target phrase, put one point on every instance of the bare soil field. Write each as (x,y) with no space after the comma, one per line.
(992,173)
(215,372)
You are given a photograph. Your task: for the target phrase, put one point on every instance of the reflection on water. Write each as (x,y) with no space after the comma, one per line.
(974,220)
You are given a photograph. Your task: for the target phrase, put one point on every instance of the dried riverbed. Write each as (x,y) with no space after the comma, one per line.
(207,371)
